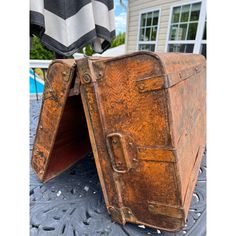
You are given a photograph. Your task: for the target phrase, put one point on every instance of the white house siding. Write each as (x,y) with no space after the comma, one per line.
(137,6)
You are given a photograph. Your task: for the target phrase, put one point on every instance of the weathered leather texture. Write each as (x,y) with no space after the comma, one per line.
(146,119)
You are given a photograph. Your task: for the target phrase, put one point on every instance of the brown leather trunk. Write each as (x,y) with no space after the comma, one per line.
(146,119)
(62,135)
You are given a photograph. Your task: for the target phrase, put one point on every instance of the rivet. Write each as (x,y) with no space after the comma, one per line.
(100,74)
(114,141)
(151,207)
(141,87)
(65,77)
(40,126)
(86,78)
(134,159)
(40,154)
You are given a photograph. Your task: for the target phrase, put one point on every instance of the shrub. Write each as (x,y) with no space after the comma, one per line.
(40,52)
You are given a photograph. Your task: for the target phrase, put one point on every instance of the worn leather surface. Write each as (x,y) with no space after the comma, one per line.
(146,118)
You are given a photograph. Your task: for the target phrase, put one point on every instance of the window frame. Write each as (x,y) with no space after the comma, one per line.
(203,41)
(200,29)
(139,26)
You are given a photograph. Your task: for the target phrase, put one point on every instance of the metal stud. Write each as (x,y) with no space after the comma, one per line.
(65,76)
(100,74)
(141,87)
(86,78)
(151,207)
(114,141)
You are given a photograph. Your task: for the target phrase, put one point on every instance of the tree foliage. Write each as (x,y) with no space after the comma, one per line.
(87,50)
(118,40)
(38,51)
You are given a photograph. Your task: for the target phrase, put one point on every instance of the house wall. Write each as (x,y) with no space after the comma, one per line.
(137,6)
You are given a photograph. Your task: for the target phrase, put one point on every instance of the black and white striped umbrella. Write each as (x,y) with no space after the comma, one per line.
(65,26)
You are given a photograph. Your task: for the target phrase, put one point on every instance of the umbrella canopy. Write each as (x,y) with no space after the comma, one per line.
(65,26)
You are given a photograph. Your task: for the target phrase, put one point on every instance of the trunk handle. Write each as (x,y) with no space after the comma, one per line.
(122,152)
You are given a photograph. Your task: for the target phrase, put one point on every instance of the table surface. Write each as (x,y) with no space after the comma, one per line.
(72,204)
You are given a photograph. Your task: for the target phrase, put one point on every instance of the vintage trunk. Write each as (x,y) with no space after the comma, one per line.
(62,135)
(146,118)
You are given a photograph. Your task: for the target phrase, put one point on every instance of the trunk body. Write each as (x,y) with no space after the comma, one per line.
(146,118)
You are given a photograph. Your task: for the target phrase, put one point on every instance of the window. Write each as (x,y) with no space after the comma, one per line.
(181,48)
(186,32)
(203,43)
(148,29)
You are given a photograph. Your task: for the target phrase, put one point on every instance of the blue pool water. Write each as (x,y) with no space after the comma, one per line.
(39,84)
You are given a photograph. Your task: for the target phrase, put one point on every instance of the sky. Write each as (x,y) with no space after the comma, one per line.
(120,16)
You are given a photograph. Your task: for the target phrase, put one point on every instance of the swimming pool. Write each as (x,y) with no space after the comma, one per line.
(39,83)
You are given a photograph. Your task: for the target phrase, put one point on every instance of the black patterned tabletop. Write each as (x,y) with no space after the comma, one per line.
(72,203)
